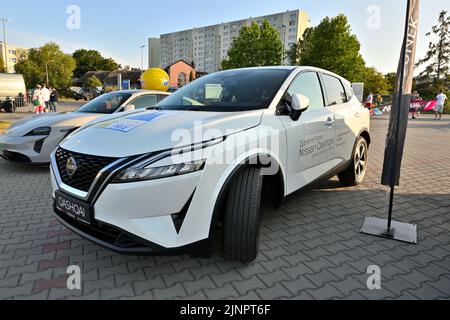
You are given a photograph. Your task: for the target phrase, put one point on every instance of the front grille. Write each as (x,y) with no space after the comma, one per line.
(88,168)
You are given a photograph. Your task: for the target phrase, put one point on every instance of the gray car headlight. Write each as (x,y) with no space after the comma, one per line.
(134,174)
(42,131)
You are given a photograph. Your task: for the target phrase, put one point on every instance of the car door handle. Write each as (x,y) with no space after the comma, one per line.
(357,115)
(329,122)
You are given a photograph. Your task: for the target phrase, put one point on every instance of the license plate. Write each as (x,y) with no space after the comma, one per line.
(74,208)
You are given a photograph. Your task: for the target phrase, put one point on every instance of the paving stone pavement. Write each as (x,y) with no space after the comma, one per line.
(310,249)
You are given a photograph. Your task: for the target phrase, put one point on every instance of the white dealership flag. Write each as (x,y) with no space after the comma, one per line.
(398,123)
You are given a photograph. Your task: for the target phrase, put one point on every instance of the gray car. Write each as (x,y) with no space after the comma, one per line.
(33,139)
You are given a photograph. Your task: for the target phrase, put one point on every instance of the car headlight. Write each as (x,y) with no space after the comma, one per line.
(135,174)
(42,131)
(143,171)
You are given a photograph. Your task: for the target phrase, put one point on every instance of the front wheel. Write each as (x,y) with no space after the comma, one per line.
(242,216)
(356,172)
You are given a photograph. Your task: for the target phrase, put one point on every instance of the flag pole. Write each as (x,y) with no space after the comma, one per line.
(391,207)
(398,122)
(402,79)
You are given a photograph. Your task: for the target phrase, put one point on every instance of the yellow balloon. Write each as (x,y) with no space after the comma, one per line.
(155,79)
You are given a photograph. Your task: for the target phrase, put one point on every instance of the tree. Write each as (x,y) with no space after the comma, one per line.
(255,46)
(331,46)
(109,65)
(293,54)
(2,65)
(374,82)
(92,60)
(438,56)
(93,82)
(391,79)
(60,66)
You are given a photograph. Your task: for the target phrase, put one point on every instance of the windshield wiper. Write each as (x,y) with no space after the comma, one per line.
(193,109)
(153,108)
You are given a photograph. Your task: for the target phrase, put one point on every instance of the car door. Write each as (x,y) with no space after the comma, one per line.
(339,100)
(310,139)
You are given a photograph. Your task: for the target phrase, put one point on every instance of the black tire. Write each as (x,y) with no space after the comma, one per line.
(356,172)
(242,216)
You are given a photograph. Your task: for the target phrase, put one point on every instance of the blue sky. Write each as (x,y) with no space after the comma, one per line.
(118,28)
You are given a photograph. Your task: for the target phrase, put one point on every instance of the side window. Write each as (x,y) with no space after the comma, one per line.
(308,85)
(161,97)
(147,101)
(348,90)
(334,89)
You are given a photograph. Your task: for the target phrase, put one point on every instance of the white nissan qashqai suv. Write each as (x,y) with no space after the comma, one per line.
(209,155)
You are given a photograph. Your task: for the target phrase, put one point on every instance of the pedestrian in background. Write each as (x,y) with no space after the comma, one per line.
(46,96)
(413,111)
(379,101)
(369,101)
(38,100)
(54,98)
(440,102)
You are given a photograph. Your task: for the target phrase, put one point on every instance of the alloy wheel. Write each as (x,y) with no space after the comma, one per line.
(360,162)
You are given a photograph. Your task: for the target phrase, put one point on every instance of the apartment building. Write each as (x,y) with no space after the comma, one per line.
(206,47)
(13,53)
(154,52)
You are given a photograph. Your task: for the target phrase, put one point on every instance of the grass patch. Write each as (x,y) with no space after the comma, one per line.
(4,125)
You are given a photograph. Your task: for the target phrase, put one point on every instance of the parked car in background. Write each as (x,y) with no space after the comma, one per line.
(33,139)
(12,91)
(87,94)
(207,156)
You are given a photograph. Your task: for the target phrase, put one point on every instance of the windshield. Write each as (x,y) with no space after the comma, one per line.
(107,103)
(234,90)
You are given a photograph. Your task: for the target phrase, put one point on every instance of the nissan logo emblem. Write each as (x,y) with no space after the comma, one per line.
(71,166)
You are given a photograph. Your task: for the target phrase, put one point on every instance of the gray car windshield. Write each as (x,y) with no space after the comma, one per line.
(107,103)
(234,90)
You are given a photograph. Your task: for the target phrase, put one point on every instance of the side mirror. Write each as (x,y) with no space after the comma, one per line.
(130,107)
(300,103)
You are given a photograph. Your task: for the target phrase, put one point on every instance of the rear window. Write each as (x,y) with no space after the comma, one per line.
(334,89)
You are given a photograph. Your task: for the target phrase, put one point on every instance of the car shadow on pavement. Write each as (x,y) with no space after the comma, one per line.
(24,168)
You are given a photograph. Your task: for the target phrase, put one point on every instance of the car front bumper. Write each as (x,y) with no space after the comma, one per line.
(149,217)
(29,149)
(123,242)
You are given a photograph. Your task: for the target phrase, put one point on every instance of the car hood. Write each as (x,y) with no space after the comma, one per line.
(152,131)
(66,119)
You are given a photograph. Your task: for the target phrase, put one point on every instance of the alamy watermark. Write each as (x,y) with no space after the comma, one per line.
(374,17)
(74,277)
(73,21)
(374,280)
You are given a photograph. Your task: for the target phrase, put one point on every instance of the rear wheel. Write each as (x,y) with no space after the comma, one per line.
(356,172)
(242,216)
